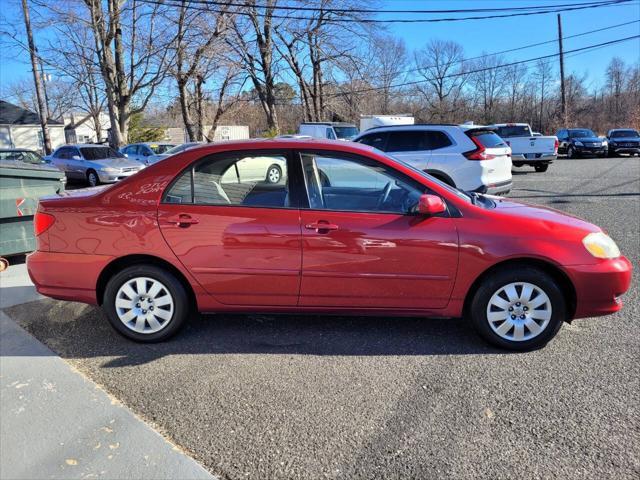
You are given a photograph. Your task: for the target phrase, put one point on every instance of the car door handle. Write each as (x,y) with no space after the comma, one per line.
(321,226)
(182,220)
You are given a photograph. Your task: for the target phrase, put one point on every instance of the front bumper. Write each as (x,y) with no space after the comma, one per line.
(109,177)
(590,150)
(600,286)
(624,149)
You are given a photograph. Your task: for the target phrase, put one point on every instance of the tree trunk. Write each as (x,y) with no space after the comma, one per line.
(42,107)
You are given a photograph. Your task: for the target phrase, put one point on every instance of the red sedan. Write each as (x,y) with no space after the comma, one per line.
(319,226)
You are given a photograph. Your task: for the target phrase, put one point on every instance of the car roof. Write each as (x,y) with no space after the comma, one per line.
(18,150)
(284,143)
(84,145)
(153,143)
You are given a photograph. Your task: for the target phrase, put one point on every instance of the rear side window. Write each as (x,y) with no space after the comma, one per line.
(411,141)
(252,180)
(99,153)
(375,140)
(488,139)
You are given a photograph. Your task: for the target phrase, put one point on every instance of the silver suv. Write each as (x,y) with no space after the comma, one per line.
(94,164)
(468,157)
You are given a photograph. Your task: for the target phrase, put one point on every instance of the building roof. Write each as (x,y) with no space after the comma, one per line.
(11,114)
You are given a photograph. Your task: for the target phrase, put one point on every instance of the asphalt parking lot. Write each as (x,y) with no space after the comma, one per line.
(266,396)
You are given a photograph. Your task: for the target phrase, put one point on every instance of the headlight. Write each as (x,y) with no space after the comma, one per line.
(110,170)
(578,143)
(600,245)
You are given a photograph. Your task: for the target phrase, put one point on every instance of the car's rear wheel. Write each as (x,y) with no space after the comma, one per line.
(274,174)
(541,168)
(92,178)
(146,303)
(519,308)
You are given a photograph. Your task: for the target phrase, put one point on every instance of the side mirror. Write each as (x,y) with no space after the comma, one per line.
(126,155)
(76,157)
(431,205)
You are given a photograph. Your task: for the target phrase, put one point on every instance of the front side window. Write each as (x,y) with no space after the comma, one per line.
(349,183)
(246,180)
(330,134)
(346,132)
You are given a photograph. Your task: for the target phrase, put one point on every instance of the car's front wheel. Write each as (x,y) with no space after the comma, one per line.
(571,153)
(146,303)
(92,178)
(518,308)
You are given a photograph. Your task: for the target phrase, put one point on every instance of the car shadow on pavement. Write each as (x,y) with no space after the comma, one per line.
(79,331)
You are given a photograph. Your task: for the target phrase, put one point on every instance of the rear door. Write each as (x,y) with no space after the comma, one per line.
(409,146)
(363,247)
(240,238)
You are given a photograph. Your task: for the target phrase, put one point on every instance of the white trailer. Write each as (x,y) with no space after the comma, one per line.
(370,121)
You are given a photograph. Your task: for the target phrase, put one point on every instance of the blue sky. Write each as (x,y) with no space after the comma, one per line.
(477,37)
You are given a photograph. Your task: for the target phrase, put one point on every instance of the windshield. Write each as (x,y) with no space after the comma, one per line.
(581,133)
(22,156)
(99,153)
(346,132)
(159,149)
(625,134)
(180,148)
(514,131)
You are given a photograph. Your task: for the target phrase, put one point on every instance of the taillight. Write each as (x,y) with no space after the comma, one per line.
(479,153)
(556,144)
(42,222)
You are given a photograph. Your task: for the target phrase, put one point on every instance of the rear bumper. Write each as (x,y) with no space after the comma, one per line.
(538,159)
(499,188)
(66,276)
(600,286)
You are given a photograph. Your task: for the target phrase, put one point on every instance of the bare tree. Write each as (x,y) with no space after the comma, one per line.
(488,81)
(132,55)
(542,77)
(253,45)
(390,57)
(616,78)
(441,64)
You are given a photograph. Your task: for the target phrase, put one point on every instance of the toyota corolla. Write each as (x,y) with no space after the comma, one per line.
(344,229)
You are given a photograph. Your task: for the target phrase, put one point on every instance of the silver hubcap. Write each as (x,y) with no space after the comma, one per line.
(519,311)
(93,180)
(274,175)
(144,305)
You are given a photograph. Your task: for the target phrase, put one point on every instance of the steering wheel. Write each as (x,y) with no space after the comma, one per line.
(385,194)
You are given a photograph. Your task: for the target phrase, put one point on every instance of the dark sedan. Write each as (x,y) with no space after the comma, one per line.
(578,142)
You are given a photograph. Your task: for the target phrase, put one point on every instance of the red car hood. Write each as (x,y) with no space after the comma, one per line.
(551,217)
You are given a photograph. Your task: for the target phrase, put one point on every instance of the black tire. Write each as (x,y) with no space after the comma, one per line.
(541,168)
(491,285)
(274,174)
(174,287)
(518,164)
(571,152)
(611,153)
(93,180)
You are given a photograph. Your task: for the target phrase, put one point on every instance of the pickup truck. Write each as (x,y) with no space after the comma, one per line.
(526,147)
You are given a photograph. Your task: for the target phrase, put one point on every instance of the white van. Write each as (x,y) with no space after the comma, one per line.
(371,121)
(329,130)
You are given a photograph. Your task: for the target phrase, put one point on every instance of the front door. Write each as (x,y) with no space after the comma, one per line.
(238,236)
(363,245)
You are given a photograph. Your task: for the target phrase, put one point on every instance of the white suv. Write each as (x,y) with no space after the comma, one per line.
(467,157)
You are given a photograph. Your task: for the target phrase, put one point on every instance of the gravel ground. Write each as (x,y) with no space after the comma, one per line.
(313,397)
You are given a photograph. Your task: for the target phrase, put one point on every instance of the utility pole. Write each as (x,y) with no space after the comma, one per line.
(42,108)
(562,90)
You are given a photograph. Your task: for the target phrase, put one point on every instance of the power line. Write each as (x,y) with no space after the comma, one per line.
(524,47)
(549,9)
(480,70)
(223,3)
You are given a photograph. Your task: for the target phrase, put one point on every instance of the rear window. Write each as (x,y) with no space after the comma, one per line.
(514,131)
(488,139)
(410,141)
(375,140)
(99,153)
